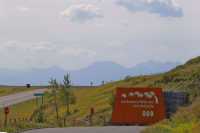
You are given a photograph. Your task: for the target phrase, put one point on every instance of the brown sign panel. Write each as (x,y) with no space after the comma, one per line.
(143,106)
(6,110)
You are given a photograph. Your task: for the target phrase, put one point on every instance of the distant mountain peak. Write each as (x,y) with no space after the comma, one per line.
(96,72)
(100,63)
(105,64)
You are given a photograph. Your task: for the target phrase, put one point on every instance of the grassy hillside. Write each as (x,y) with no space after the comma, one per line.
(186,120)
(184,78)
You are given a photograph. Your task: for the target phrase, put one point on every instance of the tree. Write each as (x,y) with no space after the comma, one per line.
(127,78)
(54,86)
(103,82)
(112,99)
(66,95)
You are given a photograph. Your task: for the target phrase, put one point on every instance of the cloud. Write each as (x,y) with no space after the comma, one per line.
(42,54)
(35,48)
(82,12)
(23,9)
(165,8)
(77,52)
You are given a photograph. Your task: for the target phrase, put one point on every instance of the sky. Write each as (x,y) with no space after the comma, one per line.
(72,34)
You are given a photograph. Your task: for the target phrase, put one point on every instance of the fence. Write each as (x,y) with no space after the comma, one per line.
(174,100)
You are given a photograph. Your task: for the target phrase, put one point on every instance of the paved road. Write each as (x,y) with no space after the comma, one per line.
(111,129)
(18,98)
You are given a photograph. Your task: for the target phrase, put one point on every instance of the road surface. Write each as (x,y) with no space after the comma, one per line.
(110,129)
(18,98)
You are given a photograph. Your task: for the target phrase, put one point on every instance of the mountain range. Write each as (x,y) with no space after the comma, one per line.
(97,72)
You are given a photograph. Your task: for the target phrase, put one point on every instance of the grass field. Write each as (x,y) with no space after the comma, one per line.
(7,90)
(86,98)
(4,90)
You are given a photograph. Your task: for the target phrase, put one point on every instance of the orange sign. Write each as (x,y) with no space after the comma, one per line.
(138,106)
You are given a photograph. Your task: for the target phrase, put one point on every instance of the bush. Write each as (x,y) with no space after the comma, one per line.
(158,129)
(186,120)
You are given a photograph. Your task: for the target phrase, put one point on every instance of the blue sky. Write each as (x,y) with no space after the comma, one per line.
(75,33)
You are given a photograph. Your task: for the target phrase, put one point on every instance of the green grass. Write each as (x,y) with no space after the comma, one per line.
(186,120)
(86,98)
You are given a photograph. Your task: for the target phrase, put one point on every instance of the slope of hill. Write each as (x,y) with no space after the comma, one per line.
(96,73)
(186,120)
(185,78)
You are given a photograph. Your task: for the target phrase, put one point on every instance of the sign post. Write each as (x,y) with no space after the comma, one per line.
(6,112)
(38,96)
(91,115)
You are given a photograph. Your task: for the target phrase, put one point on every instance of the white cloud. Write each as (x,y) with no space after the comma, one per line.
(77,51)
(23,9)
(46,47)
(41,54)
(115,44)
(165,8)
(82,12)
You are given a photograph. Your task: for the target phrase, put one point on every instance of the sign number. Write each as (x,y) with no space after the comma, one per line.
(147,113)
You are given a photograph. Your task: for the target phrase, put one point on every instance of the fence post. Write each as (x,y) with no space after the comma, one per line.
(64,122)
(6,120)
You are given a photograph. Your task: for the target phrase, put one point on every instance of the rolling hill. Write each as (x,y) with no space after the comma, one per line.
(96,73)
(182,78)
